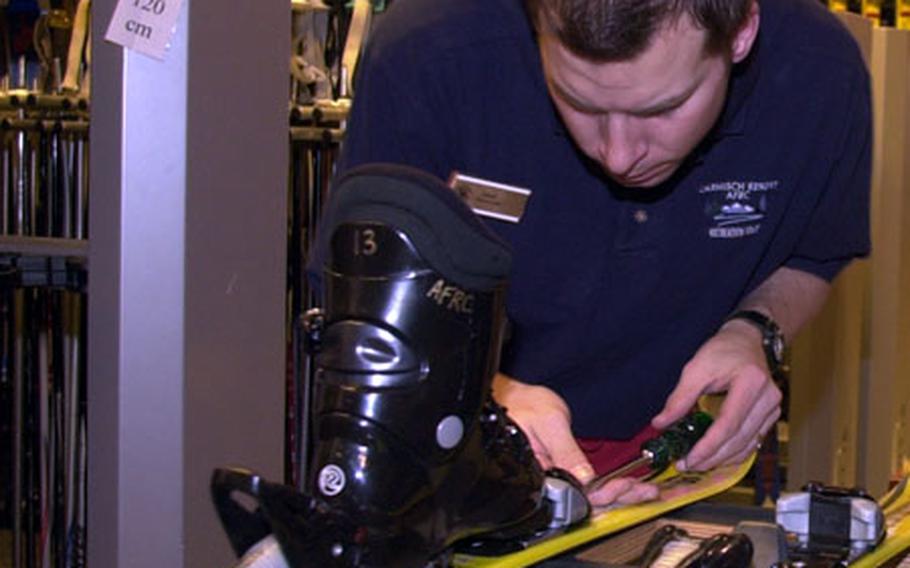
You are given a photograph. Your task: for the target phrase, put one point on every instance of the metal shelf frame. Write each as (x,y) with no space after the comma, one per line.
(44,246)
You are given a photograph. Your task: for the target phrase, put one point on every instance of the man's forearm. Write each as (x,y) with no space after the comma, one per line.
(790,297)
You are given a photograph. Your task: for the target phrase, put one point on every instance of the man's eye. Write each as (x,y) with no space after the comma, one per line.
(591,112)
(659,112)
(582,109)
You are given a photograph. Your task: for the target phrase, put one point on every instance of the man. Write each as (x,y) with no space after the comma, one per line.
(699,173)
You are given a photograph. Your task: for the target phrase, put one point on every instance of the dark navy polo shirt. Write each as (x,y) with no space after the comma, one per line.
(614,290)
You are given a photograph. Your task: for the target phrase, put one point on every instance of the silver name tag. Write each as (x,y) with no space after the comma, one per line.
(491,199)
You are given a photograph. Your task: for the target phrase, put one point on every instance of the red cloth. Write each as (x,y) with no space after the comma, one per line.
(606,455)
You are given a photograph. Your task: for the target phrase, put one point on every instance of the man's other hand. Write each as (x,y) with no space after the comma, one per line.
(545,419)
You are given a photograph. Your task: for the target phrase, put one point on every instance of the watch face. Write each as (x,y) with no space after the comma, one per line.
(777,345)
(772,338)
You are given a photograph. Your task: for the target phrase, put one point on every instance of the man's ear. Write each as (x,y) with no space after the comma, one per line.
(745,36)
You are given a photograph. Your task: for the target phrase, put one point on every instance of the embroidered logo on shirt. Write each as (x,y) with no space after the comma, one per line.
(736,208)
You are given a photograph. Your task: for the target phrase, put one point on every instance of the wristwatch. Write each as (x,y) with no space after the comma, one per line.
(771,336)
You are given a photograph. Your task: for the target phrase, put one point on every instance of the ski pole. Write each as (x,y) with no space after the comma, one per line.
(657,453)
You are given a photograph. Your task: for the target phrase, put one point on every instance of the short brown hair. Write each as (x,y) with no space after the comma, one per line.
(619,30)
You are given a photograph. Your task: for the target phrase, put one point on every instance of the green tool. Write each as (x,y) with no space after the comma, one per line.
(657,453)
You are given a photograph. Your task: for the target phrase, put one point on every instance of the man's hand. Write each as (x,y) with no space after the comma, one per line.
(546,421)
(733,362)
(623,491)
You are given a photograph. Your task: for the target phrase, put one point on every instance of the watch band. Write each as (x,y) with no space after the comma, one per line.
(772,337)
(760,320)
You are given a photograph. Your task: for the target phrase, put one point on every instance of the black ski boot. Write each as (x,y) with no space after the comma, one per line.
(409,453)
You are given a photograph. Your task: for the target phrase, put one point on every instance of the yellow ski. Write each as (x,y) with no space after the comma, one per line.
(676,490)
(896,506)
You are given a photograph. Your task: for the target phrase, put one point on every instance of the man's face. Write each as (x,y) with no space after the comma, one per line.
(639,119)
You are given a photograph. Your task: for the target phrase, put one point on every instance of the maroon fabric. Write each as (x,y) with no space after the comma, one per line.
(607,455)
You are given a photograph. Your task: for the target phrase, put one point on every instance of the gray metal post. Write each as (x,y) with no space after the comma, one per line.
(186,277)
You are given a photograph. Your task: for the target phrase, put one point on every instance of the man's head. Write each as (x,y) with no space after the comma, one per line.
(639,83)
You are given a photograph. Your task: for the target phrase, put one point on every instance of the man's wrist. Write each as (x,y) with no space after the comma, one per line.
(743,327)
(505,386)
(770,336)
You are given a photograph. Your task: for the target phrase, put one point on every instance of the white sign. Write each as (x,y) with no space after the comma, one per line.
(144,25)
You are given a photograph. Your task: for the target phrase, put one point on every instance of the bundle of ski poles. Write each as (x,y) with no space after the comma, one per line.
(44,127)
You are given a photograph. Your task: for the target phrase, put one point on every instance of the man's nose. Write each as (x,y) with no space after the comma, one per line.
(622,145)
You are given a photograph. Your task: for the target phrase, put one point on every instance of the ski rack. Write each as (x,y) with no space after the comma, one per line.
(21,99)
(323,121)
(330,35)
(315,134)
(37,263)
(43,399)
(358,30)
(43,165)
(43,278)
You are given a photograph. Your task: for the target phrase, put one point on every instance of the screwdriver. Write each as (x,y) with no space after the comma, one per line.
(657,453)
